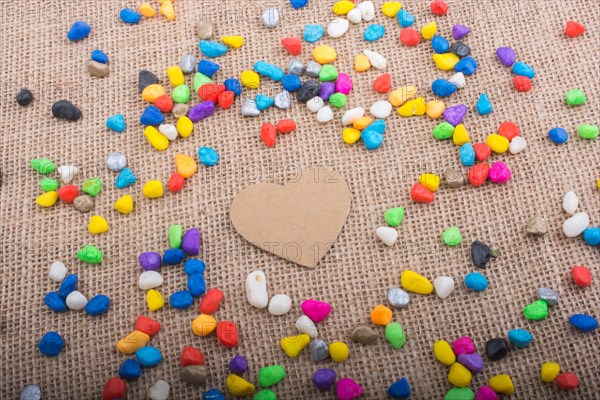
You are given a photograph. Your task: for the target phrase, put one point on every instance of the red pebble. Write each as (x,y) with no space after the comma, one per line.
(286,126)
(226,98)
(68,193)
(479,174)
(114,389)
(227,333)
(176,182)
(410,37)
(211,91)
(509,130)
(482,151)
(567,380)
(164,103)
(438,7)
(211,301)
(191,356)
(383,83)
(574,29)
(268,134)
(582,276)
(421,194)
(292,45)
(147,325)
(522,83)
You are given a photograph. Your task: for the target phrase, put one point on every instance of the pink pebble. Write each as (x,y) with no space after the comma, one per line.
(463,345)
(500,173)
(343,84)
(316,310)
(486,393)
(347,389)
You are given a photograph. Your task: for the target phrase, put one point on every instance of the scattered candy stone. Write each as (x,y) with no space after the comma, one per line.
(362,333)
(348,389)
(582,276)
(438,7)
(413,282)
(481,254)
(238,365)
(394,333)
(381,315)
(337,27)
(473,362)
(575,225)
(476,281)
(270,17)
(155,300)
(194,374)
(64,109)
(83,203)
(51,344)
(398,298)
(567,381)
(280,304)
(114,389)
(548,295)
(181,300)
(421,194)
(90,254)
(452,237)
(367,10)
(496,349)
(536,226)
(463,345)
(575,97)
(319,350)
(31,392)
(444,285)
(517,145)
(549,371)
(387,235)
(57,271)
(589,132)
(325,114)
(443,352)
(295,66)
(376,59)
(47,199)
(592,236)
(203,325)
(24,97)
(238,386)
(293,345)
(212,49)
(271,375)
(459,376)
(147,325)
(574,29)
(44,166)
(536,311)
(484,106)
(256,289)
(130,16)
(205,29)
(583,322)
(292,45)
(459,394)
(324,379)
(502,384)
(78,31)
(409,37)
(150,280)
(520,338)
(211,301)
(460,49)
(159,391)
(443,88)
(305,325)
(453,178)
(97,69)
(394,216)
(522,83)
(460,31)
(283,100)
(558,135)
(506,55)
(499,173)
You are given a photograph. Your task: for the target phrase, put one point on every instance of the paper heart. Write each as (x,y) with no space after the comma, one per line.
(298,221)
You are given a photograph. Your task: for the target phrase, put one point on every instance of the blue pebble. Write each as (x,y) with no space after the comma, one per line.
(520,68)
(130,370)
(270,70)
(116,123)
(78,31)
(68,285)
(125,178)
(212,49)
(313,32)
(374,32)
(592,236)
(371,138)
(97,305)
(152,116)
(520,338)
(443,88)
(51,344)
(130,16)
(378,126)
(213,394)
(55,302)
(440,44)
(467,66)
(173,256)
(196,285)
(467,155)
(405,19)
(99,56)
(263,102)
(193,266)
(476,281)
(296,4)
(208,156)
(583,322)
(291,82)
(233,85)
(484,105)
(399,389)
(208,68)
(181,299)
(558,135)
(148,356)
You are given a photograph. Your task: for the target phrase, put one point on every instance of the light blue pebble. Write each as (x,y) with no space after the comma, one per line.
(592,236)
(291,82)
(467,66)
(99,56)
(520,68)
(116,123)
(476,281)
(313,32)
(55,302)
(270,70)
(213,394)
(378,126)
(212,49)
(374,32)
(583,322)
(233,85)
(558,135)
(208,156)
(443,88)
(152,116)
(520,338)
(467,155)
(371,138)
(263,102)
(193,266)
(208,67)
(181,299)
(130,16)
(440,44)
(196,285)
(405,19)
(148,356)
(125,179)
(296,4)
(78,31)
(484,105)
(97,305)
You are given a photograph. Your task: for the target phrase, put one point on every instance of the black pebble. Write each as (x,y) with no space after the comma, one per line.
(146,78)
(481,253)
(496,349)
(460,49)
(24,97)
(309,90)
(66,110)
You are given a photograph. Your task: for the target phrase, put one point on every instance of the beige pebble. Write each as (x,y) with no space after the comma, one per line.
(363,334)
(98,69)
(453,178)
(205,29)
(194,374)
(536,226)
(83,203)
(179,110)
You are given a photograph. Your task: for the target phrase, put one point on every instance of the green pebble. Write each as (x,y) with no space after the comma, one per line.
(460,394)
(338,100)
(443,131)
(271,375)
(395,335)
(452,236)
(588,131)
(49,185)
(265,394)
(92,186)
(44,166)
(181,94)
(575,97)
(199,80)
(90,254)
(394,216)
(328,73)
(175,233)
(536,311)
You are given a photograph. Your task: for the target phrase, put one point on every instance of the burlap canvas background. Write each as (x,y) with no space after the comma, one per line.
(356,273)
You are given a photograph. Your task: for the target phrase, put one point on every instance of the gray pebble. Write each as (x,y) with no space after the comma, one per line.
(116,162)
(205,29)
(194,374)
(313,69)
(180,110)
(453,178)
(31,392)
(83,203)
(188,64)
(319,350)
(536,226)
(295,67)
(283,100)
(362,333)
(270,18)
(249,108)
(98,69)
(398,298)
(548,295)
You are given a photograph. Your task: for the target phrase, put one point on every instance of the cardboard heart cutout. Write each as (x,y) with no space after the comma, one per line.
(298,221)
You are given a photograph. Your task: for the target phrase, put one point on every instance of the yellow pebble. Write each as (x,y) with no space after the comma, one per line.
(203,325)
(350,135)
(155,300)
(132,342)
(361,63)
(185,126)
(250,79)
(443,352)
(156,139)
(47,199)
(97,225)
(459,375)
(416,283)
(550,371)
(428,31)
(445,61)
(153,189)
(413,107)
(498,144)
(175,75)
(343,7)
(435,108)
(362,123)
(233,41)
(598,183)
(324,54)
(147,11)
(186,165)
(293,345)
(166,9)
(238,386)
(502,384)
(152,92)
(391,8)
(339,351)
(430,181)
(124,204)
(460,136)
(402,94)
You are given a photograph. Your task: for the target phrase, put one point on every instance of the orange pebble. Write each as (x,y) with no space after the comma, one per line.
(381,315)
(147,11)
(152,92)
(186,165)
(362,123)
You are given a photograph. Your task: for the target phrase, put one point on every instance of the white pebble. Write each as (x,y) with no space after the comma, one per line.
(76,300)
(256,289)
(280,304)
(337,27)
(270,18)
(354,16)
(570,201)
(67,172)
(381,109)
(367,10)
(352,115)
(325,114)
(444,285)
(517,145)
(377,60)
(575,225)
(306,325)
(150,280)
(169,130)
(387,235)
(57,271)
(159,391)
(458,79)
(315,104)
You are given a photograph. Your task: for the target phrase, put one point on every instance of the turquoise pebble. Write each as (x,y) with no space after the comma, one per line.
(208,156)
(520,68)
(592,236)
(467,66)
(443,88)
(181,300)
(270,70)
(378,126)
(263,102)
(313,32)
(99,56)
(130,16)
(152,116)
(125,178)
(520,338)
(51,344)
(467,155)
(484,105)
(440,44)
(212,49)
(97,305)
(148,356)
(583,322)
(476,281)
(374,32)
(371,138)
(405,19)
(116,123)
(399,389)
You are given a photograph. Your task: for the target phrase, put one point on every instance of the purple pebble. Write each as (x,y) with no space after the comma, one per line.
(486,393)
(343,84)
(150,260)
(201,111)
(473,362)
(190,242)
(454,115)
(238,365)
(324,379)
(506,55)
(326,90)
(460,31)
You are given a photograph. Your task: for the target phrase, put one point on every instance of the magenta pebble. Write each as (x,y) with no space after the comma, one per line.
(343,84)
(486,393)
(347,389)
(463,345)
(500,173)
